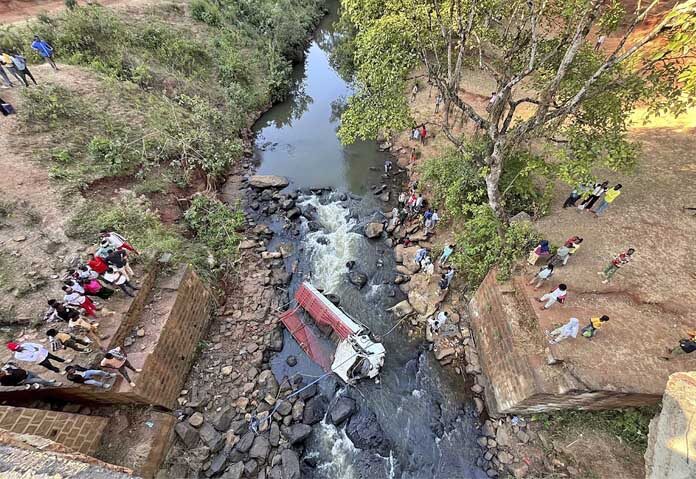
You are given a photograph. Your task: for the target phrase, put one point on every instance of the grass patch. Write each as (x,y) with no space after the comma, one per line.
(629,425)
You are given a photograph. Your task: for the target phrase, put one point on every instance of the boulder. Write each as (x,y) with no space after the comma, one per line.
(217,465)
(187,433)
(293,213)
(245,442)
(443,353)
(268,181)
(213,439)
(224,419)
(504,436)
(260,448)
(373,230)
(315,410)
(297,433)
(291,464)
(365,432)
(274,434)
(520,217)
(401,309)
(357,279)
(344,408)
(235,471)
(196,419)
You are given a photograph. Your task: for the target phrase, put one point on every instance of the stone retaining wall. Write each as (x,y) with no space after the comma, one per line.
(77,432)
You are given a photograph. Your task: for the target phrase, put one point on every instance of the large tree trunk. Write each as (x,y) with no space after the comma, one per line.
(495,165)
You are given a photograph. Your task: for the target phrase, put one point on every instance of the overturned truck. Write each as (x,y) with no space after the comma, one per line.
(358,355)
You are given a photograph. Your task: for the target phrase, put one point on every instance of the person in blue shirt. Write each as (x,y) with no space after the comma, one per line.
(44,49)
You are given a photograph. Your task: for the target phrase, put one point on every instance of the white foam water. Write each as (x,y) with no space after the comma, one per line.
(342,451)
(328,261)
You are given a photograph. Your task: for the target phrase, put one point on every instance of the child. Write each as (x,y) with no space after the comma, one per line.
(557,295)
(590,330)
(543,275)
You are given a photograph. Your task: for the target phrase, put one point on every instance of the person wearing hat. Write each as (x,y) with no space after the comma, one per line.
(34,353)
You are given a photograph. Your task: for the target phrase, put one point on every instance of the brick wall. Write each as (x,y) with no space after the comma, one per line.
(166,369)
(77,432)
(514,357)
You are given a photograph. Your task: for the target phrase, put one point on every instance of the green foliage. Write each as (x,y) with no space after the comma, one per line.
(215,225)
(479,246)
(133,218)
(458,183)
(206,12)
(50,105)
(630,425)
(112,154)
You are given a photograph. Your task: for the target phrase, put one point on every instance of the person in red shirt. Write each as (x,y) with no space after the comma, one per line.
(620,260)
(97,264)
(423,134)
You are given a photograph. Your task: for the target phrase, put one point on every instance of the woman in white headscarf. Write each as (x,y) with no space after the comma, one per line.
(568,330)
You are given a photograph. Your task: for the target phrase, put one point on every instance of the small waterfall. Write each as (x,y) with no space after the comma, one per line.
(342,451)
(328,261)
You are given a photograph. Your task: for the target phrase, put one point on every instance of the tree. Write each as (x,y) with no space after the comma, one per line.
(582,95)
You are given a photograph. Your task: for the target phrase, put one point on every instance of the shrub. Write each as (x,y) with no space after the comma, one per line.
(50,105)
(215,225)
(479,246)
(132,217)
(206,12)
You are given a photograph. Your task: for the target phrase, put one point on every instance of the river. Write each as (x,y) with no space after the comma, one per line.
(427,417)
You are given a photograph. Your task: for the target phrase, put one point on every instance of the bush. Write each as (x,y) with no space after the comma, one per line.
(49,105)
(479,246)
(113,155)
(134,219)
(630,425)
(215,225)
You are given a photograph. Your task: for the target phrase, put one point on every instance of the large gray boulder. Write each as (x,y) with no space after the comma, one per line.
(315,410)
(373,230)
(343,409)
(297,433)
(291,464)
(366,433)
(268,181)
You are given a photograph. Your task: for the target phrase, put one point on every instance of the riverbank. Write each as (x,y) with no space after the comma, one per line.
(568,434)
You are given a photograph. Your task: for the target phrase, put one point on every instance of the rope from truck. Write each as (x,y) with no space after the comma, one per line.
(255,424)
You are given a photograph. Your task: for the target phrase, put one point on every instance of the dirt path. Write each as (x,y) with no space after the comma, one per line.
(16,11)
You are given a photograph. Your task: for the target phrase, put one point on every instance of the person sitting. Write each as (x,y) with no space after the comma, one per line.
(97,264)
(60,312)
(117,359)
(595,325)
(118,259)
(73,298)
(435,323)
(81,375)
(542,250)
(104,249)
(118,278)
(13,375)
(60,340)
(85,273)
(686,345)
(116,240)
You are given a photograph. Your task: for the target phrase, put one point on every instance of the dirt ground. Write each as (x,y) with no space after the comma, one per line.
(14,11)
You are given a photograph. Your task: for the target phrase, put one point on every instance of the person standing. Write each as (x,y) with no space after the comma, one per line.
(423,134)
(6,61)
(45,50)
(619,261)
(20,64)
(449,275)
(388,165)
(557,295)
(419,203)
(421,253)
(436,218)
(5,79)
(561,256)
(34,353)
(413,156)
(438,100)
(595,325)
(117,359)
(435,324)
(13,375)
(414,92)
(575,195)
(609,197)
(597,192)
(599,42)
(543,275)
(568,330)
(542,250)
(402,199)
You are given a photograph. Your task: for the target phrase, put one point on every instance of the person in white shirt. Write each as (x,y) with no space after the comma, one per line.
(568,330)
(116,240)
(34,353)
(435,323)
(118,278)
(544,274)
(558,294)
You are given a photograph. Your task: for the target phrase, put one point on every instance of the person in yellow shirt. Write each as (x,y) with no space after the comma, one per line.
(595,325)
(609,197)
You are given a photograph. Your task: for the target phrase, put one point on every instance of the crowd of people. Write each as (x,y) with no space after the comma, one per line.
(73,325)
(13,65)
